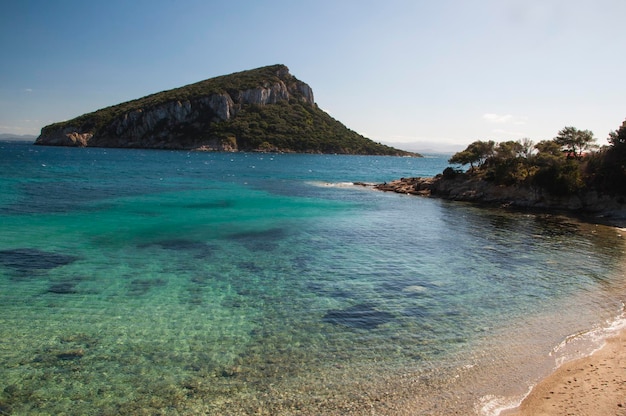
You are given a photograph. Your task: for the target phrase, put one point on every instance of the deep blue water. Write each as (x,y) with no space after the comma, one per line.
(170,282)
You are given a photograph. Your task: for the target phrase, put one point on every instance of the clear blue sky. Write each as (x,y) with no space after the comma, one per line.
(444,72)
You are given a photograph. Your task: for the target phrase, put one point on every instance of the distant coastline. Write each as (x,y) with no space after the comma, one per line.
(8,137)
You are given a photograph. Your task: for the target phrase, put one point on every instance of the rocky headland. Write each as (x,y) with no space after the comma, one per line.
(264,109)
(590,203)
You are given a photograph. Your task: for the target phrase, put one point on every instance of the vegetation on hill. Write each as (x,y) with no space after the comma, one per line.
(296,127)
(566,165)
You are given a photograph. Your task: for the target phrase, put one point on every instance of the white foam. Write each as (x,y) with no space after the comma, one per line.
(494,405)
(574,346)
(587,343)
(337,184)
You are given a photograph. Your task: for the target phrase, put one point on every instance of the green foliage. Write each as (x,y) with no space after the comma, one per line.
(618,137)
(476,153)
(549,149)
(508,150)
(297,127)
(463,158)
(563,178)
(508,171)
(574,142)
(608,168)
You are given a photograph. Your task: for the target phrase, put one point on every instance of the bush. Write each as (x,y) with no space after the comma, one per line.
(560,179)
(451,173)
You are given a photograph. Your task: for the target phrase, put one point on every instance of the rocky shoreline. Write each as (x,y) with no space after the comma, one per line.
(603,208)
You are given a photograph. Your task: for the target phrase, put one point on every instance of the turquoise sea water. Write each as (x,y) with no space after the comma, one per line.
(162,282)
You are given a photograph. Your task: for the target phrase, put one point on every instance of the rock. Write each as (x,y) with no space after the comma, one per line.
(11,391)
(5,409)
(414,186)
(471,189)
(71,354)
(140,287)
(415,289)
(26,260)
(361,316)
(63,288)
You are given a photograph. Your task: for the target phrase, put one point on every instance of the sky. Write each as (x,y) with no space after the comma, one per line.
(416,74)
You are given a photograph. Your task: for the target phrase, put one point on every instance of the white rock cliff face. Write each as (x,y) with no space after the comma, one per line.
(138,123)
(151,127)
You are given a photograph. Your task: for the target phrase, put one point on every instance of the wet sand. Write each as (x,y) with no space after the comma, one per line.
(594,386)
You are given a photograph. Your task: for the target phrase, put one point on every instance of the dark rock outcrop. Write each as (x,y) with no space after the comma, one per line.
(471,189)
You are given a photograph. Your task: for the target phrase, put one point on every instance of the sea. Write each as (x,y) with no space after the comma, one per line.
(154,282)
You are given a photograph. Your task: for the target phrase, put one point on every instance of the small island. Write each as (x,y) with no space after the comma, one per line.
(568,173)
(265,110)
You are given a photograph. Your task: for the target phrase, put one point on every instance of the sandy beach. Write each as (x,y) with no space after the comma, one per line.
(593,386)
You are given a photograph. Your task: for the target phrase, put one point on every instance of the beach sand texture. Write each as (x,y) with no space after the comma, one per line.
(591,386)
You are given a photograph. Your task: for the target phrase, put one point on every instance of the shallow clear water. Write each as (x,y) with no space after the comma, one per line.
(157,282)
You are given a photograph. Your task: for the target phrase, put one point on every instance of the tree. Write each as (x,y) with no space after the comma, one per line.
(509,150)
(463,158)
(527,147)
(556,166)
(554,170)
(510,164)
(610,172)
(476,153)
(548,148)
(560,178)
(618,137)
(574,142)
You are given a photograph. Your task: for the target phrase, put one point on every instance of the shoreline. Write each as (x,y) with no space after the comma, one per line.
(591,385)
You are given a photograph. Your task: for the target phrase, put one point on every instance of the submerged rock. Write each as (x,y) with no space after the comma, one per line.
(198,249)
(259,240)
(63,288)
(25,260)
(5,409)
(71,354)
(140,287)
(178,244)
(362,316)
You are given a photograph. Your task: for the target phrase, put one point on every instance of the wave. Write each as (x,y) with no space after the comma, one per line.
(575,346)
(586,343)
(323,184)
